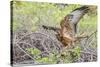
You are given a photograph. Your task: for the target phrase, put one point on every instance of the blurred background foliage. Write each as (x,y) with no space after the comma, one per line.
(29,15)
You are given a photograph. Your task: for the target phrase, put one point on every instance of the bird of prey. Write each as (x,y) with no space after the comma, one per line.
(68,25)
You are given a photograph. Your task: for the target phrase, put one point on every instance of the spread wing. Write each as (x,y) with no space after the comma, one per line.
(76,15)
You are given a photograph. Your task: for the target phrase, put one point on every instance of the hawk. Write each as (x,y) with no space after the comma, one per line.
(68,26)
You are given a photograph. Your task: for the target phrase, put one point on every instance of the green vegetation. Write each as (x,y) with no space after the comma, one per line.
(68,57)
(32,14)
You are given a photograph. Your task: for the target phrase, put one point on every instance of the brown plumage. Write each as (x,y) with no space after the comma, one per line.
(65,36)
